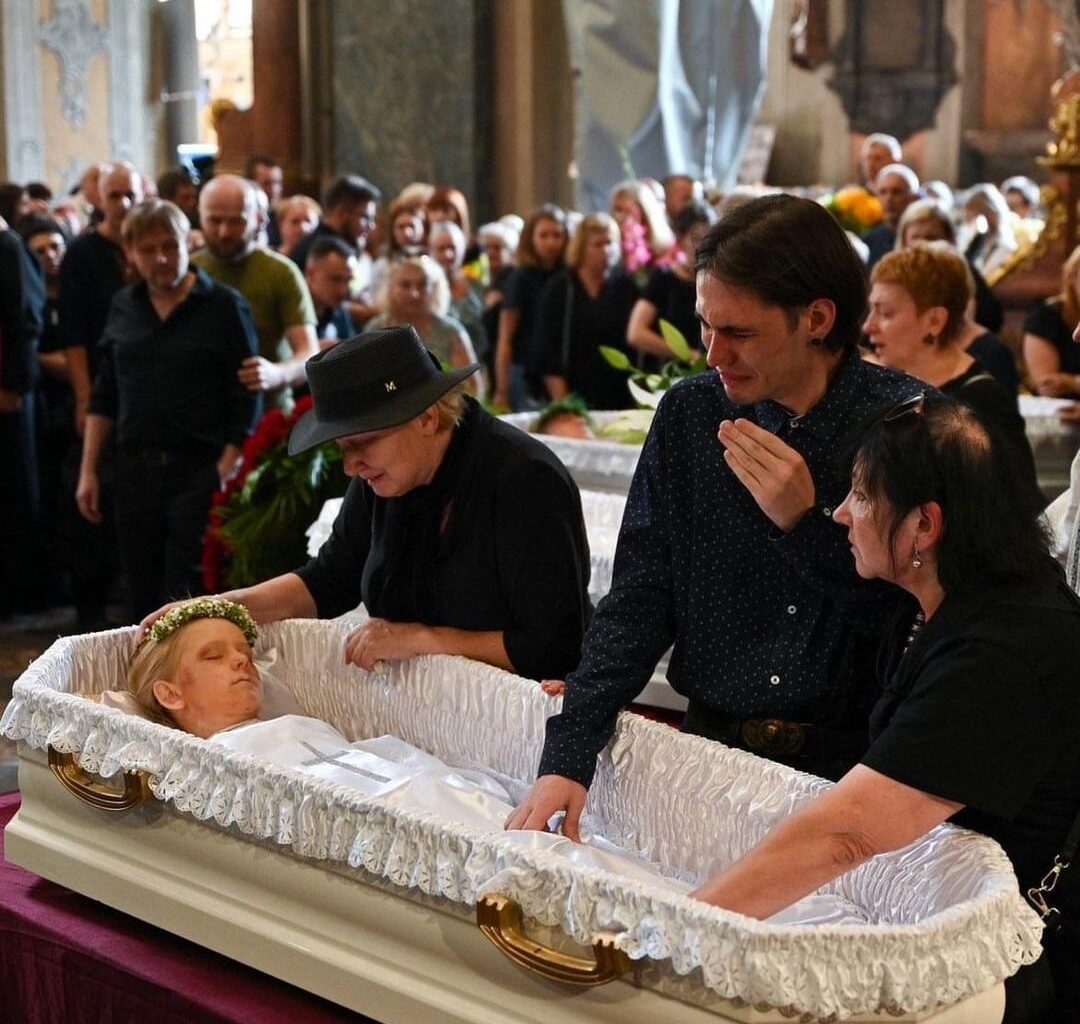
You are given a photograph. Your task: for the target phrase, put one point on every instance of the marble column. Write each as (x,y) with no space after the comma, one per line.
(411,94)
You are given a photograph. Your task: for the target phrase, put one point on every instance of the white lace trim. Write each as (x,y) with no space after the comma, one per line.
(947,920)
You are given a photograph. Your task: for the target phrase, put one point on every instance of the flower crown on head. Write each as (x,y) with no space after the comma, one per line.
(202,608)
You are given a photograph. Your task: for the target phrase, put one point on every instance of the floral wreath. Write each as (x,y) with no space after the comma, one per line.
(202,608)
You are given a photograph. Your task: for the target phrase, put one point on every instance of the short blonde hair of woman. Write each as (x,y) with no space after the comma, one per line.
(281,207)
(438,285)
(925,210)
(593,224)
(154,215)
(451,406)
(151,662)
(933,274)
(658,234)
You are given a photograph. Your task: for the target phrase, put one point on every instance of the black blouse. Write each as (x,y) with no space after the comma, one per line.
(512,556)
(983,709)
(1046,321)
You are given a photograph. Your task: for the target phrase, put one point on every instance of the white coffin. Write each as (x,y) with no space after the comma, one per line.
(373,907)
(595,465)
(608,466)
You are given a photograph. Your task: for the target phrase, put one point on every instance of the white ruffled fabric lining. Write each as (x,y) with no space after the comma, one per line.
(947,919)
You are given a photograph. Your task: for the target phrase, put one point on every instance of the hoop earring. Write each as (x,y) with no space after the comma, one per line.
(817,342)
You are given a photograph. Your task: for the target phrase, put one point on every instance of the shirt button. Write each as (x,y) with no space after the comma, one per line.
(791,609)
(793,423)
(775,680)
(826,511)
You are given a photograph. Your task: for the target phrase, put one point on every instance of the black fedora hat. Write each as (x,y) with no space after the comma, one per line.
(376,380)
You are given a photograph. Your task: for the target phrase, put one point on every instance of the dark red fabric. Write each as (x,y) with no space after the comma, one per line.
(65,959)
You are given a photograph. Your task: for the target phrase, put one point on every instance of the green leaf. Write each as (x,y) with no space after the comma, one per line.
(676,341)
(620,360)
(657,382)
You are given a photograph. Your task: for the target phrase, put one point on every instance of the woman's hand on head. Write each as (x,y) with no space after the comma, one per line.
(153,617)
(381,640)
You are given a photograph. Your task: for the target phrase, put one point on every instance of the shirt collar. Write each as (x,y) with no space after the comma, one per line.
(831,412)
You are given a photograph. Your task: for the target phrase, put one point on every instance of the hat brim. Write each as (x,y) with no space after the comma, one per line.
(309,431)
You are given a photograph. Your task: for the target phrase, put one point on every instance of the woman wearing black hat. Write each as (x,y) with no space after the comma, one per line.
(460,534)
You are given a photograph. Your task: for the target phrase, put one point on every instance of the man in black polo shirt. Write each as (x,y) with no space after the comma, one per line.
(727,547)
(168,384)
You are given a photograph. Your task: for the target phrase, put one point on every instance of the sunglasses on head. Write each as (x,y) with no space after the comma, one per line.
(912,406)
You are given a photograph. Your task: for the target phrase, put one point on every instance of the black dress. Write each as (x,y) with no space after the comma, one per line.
(512,557)
(1046,321)
(571,325)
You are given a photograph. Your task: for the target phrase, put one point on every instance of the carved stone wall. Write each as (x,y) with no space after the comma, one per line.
(76,87)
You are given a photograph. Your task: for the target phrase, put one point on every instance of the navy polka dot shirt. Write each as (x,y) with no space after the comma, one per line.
(764,624)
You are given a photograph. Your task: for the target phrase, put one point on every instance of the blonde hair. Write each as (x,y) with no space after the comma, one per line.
(438,285)
(658,234)
(154,215)
(593,224)
(150,662)
(451,406)
(281,207)
(1070,301)
(933,274)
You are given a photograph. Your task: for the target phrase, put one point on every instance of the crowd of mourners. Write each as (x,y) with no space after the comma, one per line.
(533,299)
(850,484)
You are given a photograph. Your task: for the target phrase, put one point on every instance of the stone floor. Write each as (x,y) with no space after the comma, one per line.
(23,638)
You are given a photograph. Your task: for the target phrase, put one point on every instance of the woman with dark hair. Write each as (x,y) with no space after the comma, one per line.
(670,292)
(918,298)
(586,306)
(539,257)
(977,721)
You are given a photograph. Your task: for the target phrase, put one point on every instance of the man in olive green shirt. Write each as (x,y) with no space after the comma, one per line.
(273,286)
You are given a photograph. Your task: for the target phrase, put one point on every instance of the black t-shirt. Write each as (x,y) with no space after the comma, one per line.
(569,339)
(496,541)
(674,298)
(994,354)
(984,709)
(978,390)
(522,293)
(93,271)
(1046,321)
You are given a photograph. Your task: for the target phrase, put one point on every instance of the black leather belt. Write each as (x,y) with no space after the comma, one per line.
(819,749)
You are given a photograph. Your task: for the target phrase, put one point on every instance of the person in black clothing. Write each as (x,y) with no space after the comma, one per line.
(977,723)
(168,385)
(53,409)
(540,257)
(349,210)
(94,270)
(727,548)
(917,300)
(1052,357)
(22,300)
(669,292)
(584,307)
(460,534)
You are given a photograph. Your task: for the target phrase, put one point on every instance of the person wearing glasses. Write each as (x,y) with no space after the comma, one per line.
(728,549)
(977,719)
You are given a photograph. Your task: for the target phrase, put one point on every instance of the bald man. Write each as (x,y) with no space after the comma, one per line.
(271,283)
(897,187)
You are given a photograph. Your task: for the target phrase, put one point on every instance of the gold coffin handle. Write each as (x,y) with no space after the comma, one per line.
(499,918)
(80,784)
